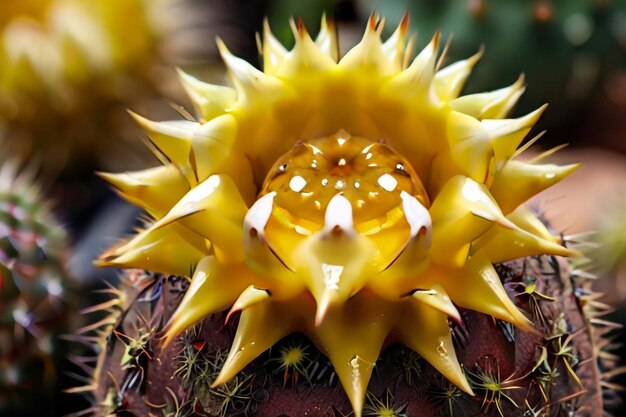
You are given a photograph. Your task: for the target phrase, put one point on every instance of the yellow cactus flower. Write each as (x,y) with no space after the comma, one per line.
(358,200)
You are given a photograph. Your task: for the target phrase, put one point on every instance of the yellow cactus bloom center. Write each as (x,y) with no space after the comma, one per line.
(359,200)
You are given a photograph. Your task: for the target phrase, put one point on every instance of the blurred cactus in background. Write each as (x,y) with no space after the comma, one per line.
(569,48)
(33,296)
(70,68)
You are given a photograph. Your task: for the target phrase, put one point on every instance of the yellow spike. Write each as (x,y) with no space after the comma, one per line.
(336,262)
(546,154)
(305,57)
(209,100)
(326,39)
(507,134)
(395,47)
(463,210)
(261,258)
(525,219)
(491,105)
(425,330)
(470,146)
(417,78)
(528,144)
(248,297)
(173,138)
(450,80)
(214,287)
(437,298)
(499,245)
(161,250)
(215,210)
(261,325)
(397,278)
(516,182)
(334,267)
(369,55)
(212,145)
(248,80)
(477,286)
(352,338)
(273,51)
(145,188)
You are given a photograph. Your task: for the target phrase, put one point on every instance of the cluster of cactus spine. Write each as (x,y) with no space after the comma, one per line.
(282,202)
(33,296)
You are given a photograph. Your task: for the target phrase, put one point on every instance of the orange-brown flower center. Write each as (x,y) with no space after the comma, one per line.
(371,175)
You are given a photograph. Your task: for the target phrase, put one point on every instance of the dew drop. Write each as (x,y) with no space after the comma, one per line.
(441,350)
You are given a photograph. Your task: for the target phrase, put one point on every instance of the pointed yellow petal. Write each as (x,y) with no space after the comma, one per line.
(212,145)
(437,298)
(214,210)
(395,47)
(249,297)
(214,287)
(248,81)
(173,138)
(326,39)
(335,262)
(273,51)
(155,189)
(450,80)
(526,219)
(417,78)
(491,105)
(516,182)
(261,325)
(209,100)
(162,250)
(477,286)
(261,258)
(352,338)
(470,146)
(398,278)
(499,245)
(425,330)
(463,210)
(507,134)
(305,57)
(368,55)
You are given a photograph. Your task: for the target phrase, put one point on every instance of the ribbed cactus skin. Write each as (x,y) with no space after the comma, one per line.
(556,372)
(33,297)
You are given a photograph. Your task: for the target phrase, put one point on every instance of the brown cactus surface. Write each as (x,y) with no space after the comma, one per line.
(560,370)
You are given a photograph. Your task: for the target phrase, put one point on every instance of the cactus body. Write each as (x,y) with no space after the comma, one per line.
(33,297)
(551,373)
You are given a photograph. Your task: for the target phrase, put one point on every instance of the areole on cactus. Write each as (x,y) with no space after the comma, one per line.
(356,199)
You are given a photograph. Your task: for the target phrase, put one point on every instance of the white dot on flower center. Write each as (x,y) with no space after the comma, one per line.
(388,182)
(297,183)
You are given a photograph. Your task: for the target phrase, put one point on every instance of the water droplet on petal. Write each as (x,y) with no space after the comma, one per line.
(441,349)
